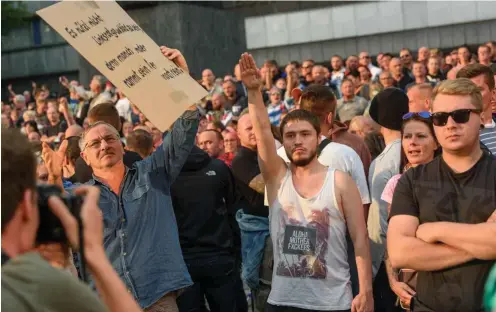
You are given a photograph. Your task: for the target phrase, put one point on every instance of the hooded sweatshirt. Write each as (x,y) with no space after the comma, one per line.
(203,198)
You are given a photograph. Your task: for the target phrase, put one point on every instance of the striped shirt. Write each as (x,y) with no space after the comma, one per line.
(275,112)
(488,137)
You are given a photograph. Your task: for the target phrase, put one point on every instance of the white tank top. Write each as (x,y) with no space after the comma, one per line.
(310,257)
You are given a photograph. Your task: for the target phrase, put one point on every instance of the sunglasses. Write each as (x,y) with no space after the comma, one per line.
(424,115)
(460,116)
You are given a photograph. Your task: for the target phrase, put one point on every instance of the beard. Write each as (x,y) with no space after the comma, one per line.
(302,162)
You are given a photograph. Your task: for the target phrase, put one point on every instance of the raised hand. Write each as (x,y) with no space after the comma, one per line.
(250,74)
(176,56)
(54,160)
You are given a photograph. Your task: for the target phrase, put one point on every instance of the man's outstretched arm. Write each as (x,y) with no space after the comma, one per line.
(271,165)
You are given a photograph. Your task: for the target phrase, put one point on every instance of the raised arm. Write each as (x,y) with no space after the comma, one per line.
(64,105)
(349,197)
(479,240)
(271,165)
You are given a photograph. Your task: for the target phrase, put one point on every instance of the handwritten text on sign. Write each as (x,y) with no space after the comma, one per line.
(111,41)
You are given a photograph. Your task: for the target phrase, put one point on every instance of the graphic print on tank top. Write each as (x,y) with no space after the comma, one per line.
(302,243)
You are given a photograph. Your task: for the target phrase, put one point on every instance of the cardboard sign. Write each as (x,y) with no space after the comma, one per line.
(104,34)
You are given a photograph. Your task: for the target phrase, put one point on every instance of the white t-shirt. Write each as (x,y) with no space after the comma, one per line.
(344,158)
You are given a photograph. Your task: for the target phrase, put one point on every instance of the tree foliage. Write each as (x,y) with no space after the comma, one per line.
(14,15)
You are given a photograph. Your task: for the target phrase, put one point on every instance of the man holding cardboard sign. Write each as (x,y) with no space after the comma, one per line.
(140,234)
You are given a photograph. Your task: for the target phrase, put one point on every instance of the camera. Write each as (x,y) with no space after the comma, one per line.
(51,229)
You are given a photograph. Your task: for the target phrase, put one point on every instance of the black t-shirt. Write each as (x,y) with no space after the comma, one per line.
(434,193)
(245,168)
(50,130)
(404,81)
(84,173)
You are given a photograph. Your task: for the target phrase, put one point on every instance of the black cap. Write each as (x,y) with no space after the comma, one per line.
(388,107)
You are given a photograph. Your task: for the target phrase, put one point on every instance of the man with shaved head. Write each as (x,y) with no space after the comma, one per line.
(423,55)
(396,69)
(419,97)
(74,131)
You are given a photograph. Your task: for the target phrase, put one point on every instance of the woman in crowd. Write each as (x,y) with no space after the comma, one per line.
(419,147)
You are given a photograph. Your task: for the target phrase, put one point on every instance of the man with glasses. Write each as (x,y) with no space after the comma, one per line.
(140,230)
(386,79)
(440,222)
(407,61)
(365,60)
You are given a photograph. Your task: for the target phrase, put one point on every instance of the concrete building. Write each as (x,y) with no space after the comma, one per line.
(214,34)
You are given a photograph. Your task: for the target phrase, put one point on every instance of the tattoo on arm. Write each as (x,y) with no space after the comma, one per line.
(258,184)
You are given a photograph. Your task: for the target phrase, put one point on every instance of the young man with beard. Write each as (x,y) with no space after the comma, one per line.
(311,207)
(442,220)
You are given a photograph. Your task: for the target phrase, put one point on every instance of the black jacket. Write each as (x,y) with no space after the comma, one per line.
(203,198)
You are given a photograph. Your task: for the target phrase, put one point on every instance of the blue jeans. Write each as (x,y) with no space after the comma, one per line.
(218,279)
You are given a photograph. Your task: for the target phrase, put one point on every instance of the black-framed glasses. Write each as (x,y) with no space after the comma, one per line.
(460,116)
(424,115)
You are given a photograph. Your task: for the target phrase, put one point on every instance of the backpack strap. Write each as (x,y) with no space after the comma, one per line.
(322,145)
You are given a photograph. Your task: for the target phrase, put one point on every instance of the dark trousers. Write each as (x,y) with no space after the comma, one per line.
(384,297)
(218,280)
(273,308)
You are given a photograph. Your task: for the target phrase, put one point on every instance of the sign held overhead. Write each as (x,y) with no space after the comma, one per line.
(105,35)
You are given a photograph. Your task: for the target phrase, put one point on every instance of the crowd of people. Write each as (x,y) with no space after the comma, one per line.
(351,186)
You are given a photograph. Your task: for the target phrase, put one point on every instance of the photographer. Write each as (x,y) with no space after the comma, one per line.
(29,283)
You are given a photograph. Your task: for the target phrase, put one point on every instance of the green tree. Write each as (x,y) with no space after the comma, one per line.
(14,15)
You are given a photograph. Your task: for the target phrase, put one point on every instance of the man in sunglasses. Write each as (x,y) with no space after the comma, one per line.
(483,77)
(442,214)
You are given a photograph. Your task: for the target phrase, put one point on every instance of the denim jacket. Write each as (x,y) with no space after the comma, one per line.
(140,231)
(254,231)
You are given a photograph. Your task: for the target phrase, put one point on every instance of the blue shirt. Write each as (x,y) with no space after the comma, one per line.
(140,232)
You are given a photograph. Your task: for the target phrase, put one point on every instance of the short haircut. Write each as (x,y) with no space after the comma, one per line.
(474,70)
(309,60)
(387,54)
(101,80)
(406,49)
(422,87)
(459,86)
(140,141)
(336,55)
(295,64)
(217,134)
(19,167)
(33,124)
(20,98)
(105,112)
(82,141)
(300,115)
(219,125)
(319,100)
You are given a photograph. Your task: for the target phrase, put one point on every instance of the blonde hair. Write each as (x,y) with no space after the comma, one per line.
(459,86)
(29,115)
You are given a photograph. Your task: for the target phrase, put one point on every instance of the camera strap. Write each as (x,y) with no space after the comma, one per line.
(5,258)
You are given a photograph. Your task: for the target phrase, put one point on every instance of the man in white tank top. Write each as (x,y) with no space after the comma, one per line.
(312,206)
